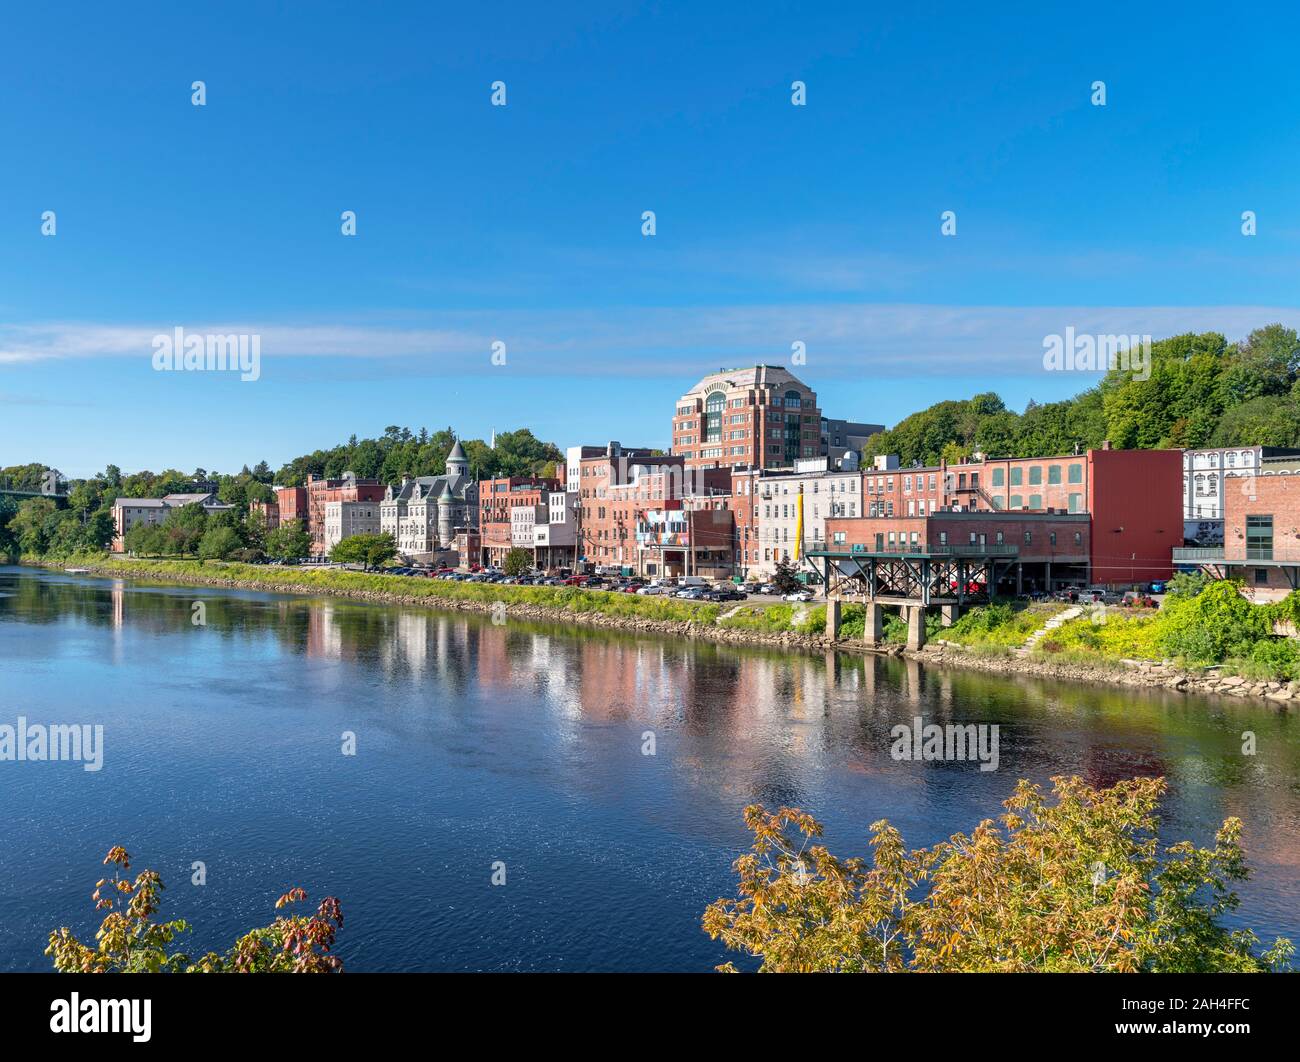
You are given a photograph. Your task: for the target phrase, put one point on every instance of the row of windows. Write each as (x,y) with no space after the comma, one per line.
(1074,474)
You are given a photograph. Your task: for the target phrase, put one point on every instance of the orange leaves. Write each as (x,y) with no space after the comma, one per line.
(129,941)
(1021,893)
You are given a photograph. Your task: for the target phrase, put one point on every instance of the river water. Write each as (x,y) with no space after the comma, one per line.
(519,748)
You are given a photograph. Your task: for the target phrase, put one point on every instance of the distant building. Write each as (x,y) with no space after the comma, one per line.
(1204,472)
(799,501)
(292,503)
(762,416)
(343,519)
(127,512)
(497,500)
(1260,542)
(320,492)
(839,436)
(424,514)
(268,512)
(555,531)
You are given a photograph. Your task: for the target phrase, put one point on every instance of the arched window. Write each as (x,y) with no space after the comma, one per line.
(713,406)
(792,400)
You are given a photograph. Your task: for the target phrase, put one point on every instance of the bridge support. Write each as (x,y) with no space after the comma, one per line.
(915,626)
(873,630)
(948,614)
(833,618)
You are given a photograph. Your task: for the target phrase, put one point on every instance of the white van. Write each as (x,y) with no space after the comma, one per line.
(691,580)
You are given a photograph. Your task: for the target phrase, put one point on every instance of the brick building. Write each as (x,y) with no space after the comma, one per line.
(320,492)
(1261,530)
(292,503)
(675,539)
(760,417)
(1053,549)
(497,522)
(1132,499)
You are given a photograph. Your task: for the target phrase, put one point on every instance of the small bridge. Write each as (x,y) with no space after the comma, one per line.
(912,577)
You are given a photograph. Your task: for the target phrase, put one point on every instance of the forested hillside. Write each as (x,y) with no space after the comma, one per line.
(1202,391)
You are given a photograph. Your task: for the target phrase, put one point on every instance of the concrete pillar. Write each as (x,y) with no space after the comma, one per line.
(915,627)
(873,632)
(948,614)
(1048,587)
(1020,578)
(832,618)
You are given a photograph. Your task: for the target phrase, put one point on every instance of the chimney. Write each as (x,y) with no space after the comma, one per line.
(1105,445)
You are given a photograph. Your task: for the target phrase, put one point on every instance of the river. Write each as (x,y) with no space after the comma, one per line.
(520,748)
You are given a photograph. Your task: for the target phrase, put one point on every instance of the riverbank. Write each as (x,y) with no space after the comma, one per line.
(779,626)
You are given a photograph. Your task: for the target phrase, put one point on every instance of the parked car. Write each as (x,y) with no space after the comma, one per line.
(692,593)
(798,595)
(726,593)
(767,588)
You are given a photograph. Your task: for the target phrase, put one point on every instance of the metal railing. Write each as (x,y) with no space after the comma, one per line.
(903,549)
(1198,553)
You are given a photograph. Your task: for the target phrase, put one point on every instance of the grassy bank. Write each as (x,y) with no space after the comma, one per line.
(1200,625)
(774,619)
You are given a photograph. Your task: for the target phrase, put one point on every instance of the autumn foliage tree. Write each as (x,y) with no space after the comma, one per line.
(129,940)
(1071,882)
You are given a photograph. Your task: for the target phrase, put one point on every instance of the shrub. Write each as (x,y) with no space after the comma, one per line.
(130,941)
(1079,886)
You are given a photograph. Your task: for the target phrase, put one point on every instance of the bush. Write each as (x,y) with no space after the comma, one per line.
(1079,885)
(1213,625)
(130,941)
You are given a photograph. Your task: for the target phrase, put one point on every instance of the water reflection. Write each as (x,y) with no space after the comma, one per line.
(529,733)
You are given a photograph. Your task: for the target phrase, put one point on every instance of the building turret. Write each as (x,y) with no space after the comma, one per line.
(446,501)
(457,462)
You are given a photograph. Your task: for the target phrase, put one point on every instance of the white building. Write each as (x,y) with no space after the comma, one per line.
(815,488)
(424,513)
(1204,472)
(343,519)
(555,531)
(127,512)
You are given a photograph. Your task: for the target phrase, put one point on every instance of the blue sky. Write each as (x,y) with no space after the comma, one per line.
(522,223)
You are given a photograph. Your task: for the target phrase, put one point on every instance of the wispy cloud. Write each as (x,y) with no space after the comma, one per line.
(897,339)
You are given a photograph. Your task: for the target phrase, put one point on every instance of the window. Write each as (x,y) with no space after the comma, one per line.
(1015,501)
(1035,501)
(1078,538)
(1029,537)
(1017,476)
(1053,473)
(998,538)
(943,538)
(1261,577)
(1076,474)
(1259,537)
(1076,503)
(998,477)
(713,407)
(1036,476)
(1052,538)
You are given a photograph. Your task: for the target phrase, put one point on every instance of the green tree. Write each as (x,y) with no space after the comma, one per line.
(517,561)
(786,578)
(31,525)
(1067,882)
(289,541)
(368,550)
(218,543)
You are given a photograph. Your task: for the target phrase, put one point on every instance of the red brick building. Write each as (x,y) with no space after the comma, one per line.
(761,417)
(1132,498)
(1261,531)
(322,491)
(497,522)
(292,502)
(1053,549)
(679,538)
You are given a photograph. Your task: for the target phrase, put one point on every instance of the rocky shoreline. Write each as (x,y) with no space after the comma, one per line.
(1132,673)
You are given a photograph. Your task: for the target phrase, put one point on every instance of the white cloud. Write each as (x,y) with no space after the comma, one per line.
(897,339)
